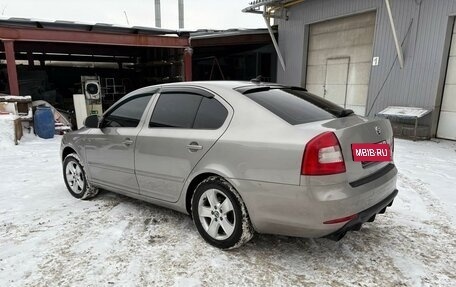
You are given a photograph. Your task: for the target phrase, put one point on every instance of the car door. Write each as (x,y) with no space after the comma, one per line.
(184,124)
(110,148)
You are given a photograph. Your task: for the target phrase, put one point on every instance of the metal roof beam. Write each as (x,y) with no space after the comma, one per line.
(83,37)
(84,49)
(73,58)
(230,40)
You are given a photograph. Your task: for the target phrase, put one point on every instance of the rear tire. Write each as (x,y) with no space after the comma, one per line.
(220,214)
(75,178)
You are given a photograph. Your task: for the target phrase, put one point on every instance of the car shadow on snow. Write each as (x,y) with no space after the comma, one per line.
(374,247)
(370,238)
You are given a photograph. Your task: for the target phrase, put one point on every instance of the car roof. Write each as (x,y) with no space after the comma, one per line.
(234,85)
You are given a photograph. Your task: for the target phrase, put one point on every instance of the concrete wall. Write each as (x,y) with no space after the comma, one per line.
(424,29)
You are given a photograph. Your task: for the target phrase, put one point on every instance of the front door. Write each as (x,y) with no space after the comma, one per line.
(110,149)
(184,125)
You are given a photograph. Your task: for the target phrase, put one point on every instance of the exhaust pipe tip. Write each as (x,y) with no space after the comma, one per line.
(372,218)
(357,227)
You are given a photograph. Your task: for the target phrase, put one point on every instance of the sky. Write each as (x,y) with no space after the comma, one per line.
(199,14)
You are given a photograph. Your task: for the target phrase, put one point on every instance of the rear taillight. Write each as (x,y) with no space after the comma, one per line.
(323,156)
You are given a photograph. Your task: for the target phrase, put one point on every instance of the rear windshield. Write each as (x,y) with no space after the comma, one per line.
(295,106)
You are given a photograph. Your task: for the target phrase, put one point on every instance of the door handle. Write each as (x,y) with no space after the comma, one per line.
(194,146)
(127,141)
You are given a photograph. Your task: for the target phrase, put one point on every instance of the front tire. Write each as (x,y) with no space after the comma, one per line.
(75,178)
(220,214)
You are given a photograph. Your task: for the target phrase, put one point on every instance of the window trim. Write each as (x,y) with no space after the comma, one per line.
(186,90)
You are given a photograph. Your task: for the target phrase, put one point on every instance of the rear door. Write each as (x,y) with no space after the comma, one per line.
(184,124)
(110,148)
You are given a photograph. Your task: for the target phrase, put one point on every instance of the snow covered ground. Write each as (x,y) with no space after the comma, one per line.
(48,238)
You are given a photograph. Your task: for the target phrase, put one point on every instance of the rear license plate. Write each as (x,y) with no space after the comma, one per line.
(376,152)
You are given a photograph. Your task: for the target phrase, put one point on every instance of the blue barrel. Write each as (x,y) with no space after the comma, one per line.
(43,121)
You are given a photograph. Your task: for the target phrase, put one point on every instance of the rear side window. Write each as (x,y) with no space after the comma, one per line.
(211,115)
(175,110)
(128,114)
(186,110)
(294,106)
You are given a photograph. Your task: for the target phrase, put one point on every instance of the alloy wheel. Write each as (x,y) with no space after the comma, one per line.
(75,177)
(216,214)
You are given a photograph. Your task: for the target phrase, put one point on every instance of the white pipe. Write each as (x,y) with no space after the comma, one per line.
(274,41)
(157,14)
(181,13)
(396,41)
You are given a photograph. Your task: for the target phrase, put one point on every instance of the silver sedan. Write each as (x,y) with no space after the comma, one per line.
(239,157)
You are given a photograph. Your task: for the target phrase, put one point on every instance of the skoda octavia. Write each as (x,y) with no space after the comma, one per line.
(239,157)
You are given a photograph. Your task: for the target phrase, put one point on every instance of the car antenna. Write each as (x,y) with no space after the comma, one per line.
(256,80)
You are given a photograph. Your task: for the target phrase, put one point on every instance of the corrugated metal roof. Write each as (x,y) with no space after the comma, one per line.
(79,26)
(119,29)
(201,34)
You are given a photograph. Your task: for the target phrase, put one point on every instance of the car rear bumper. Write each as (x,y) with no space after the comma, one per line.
(364,216)
(302,210)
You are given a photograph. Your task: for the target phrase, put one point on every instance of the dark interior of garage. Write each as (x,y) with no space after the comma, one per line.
(240,62)
(52,71)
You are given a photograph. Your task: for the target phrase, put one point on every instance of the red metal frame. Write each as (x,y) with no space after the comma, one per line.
(11,67)
(65,36)
(188,52)
(8,35)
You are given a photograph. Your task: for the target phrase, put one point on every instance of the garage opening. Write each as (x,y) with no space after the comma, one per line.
(339,60)
(446,128)
(53,72)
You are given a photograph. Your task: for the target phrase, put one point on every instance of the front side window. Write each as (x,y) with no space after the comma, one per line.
(128,114)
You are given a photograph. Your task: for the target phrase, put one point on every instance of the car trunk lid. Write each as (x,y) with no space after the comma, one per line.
(355,130)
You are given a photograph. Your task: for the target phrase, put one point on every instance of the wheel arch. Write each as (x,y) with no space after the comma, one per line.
(66,151)
(192,186)
(190,190)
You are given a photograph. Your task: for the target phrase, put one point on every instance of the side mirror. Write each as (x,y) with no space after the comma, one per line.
(92,122)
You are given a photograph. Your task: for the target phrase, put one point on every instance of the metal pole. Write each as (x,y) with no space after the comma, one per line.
(181,14)
(157,14)
(274,41)
(126,18)
(396,41)
(188,52)
(11,67)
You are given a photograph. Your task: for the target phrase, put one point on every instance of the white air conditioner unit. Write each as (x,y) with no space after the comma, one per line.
(92,89)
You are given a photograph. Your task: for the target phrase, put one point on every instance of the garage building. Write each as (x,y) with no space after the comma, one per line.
(346,51)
